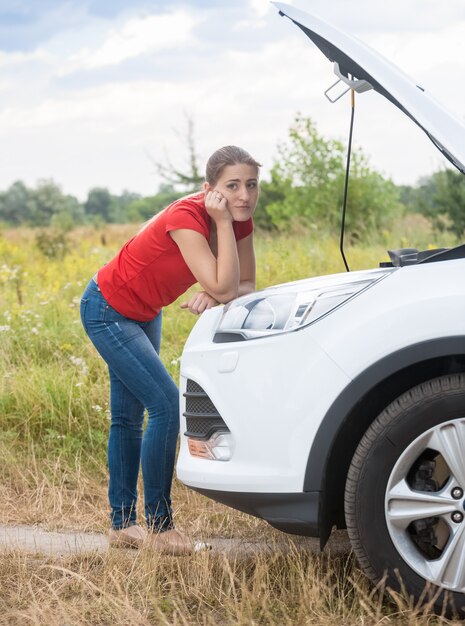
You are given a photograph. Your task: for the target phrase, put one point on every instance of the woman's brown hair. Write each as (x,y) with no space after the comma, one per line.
(227,155)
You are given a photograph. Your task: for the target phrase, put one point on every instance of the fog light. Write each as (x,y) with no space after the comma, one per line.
(218,448)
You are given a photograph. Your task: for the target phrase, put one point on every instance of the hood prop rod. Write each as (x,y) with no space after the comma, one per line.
(346,181)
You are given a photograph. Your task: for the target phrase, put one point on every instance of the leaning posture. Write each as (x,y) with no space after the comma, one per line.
(206,238)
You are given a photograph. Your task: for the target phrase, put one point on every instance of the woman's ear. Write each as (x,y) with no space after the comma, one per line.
(207,187)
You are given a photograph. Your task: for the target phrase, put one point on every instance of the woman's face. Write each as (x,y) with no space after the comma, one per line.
(239,185)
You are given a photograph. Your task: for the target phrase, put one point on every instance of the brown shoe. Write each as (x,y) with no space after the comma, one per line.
(131,537)
(171,542)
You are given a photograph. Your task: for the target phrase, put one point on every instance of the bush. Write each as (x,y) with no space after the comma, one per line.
(52,244)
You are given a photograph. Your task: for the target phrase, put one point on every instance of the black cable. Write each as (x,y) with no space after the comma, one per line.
(346,183)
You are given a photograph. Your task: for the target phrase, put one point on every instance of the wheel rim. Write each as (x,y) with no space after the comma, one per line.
(425,505)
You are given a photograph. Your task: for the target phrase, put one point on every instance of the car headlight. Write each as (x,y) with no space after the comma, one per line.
(292,306)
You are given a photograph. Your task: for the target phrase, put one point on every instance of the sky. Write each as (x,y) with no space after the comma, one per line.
(95,92)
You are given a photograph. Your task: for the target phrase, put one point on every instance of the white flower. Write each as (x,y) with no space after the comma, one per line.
(79,362)
(34,331)
(79,384)
(4,329)
(97,408)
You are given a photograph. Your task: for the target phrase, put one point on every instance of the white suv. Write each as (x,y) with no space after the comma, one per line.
(340,400)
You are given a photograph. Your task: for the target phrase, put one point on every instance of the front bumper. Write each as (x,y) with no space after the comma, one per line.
(294,513)
(272,396)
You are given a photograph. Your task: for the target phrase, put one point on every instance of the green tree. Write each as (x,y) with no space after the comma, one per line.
(450,198)
(99,204)
(145,208)
(120,205)
(304,177)
(269,194)
(307,181)
(43,206)
(15,204)
(441,197)
(69,217)
(372,202)
(102,206)
(420,198)
(48,204)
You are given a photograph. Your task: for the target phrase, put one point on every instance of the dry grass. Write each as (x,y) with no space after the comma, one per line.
(286,587)
(56,502)
(53,428)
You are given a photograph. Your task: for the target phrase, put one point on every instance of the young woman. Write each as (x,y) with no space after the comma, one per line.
(205,238)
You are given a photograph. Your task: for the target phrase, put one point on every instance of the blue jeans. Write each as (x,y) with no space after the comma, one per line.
(138,381)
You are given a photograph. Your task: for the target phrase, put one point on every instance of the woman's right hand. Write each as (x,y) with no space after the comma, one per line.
(200,302)
(217,206)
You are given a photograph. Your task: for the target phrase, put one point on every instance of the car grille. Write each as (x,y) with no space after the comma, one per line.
(202,418)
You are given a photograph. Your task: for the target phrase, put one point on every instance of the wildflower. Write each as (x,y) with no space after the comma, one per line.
(34,331)
(79,362)
(79,384)
(97,408)
(5,328)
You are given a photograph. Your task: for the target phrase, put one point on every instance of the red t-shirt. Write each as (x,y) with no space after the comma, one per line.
(149,271)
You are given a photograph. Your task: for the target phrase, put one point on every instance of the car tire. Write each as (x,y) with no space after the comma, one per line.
(405,495)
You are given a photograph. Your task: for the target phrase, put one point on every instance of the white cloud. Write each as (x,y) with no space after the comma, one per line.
(432,48)
(14,59)
(106,109)
(260,7)
(100,133)
(138,36)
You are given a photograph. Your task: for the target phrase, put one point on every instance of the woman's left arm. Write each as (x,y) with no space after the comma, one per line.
(201,300)
(246,255)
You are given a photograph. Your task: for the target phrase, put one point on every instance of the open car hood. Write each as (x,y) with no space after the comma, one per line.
(361,67)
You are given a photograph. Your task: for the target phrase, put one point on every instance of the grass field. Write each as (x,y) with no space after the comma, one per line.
(54,422)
